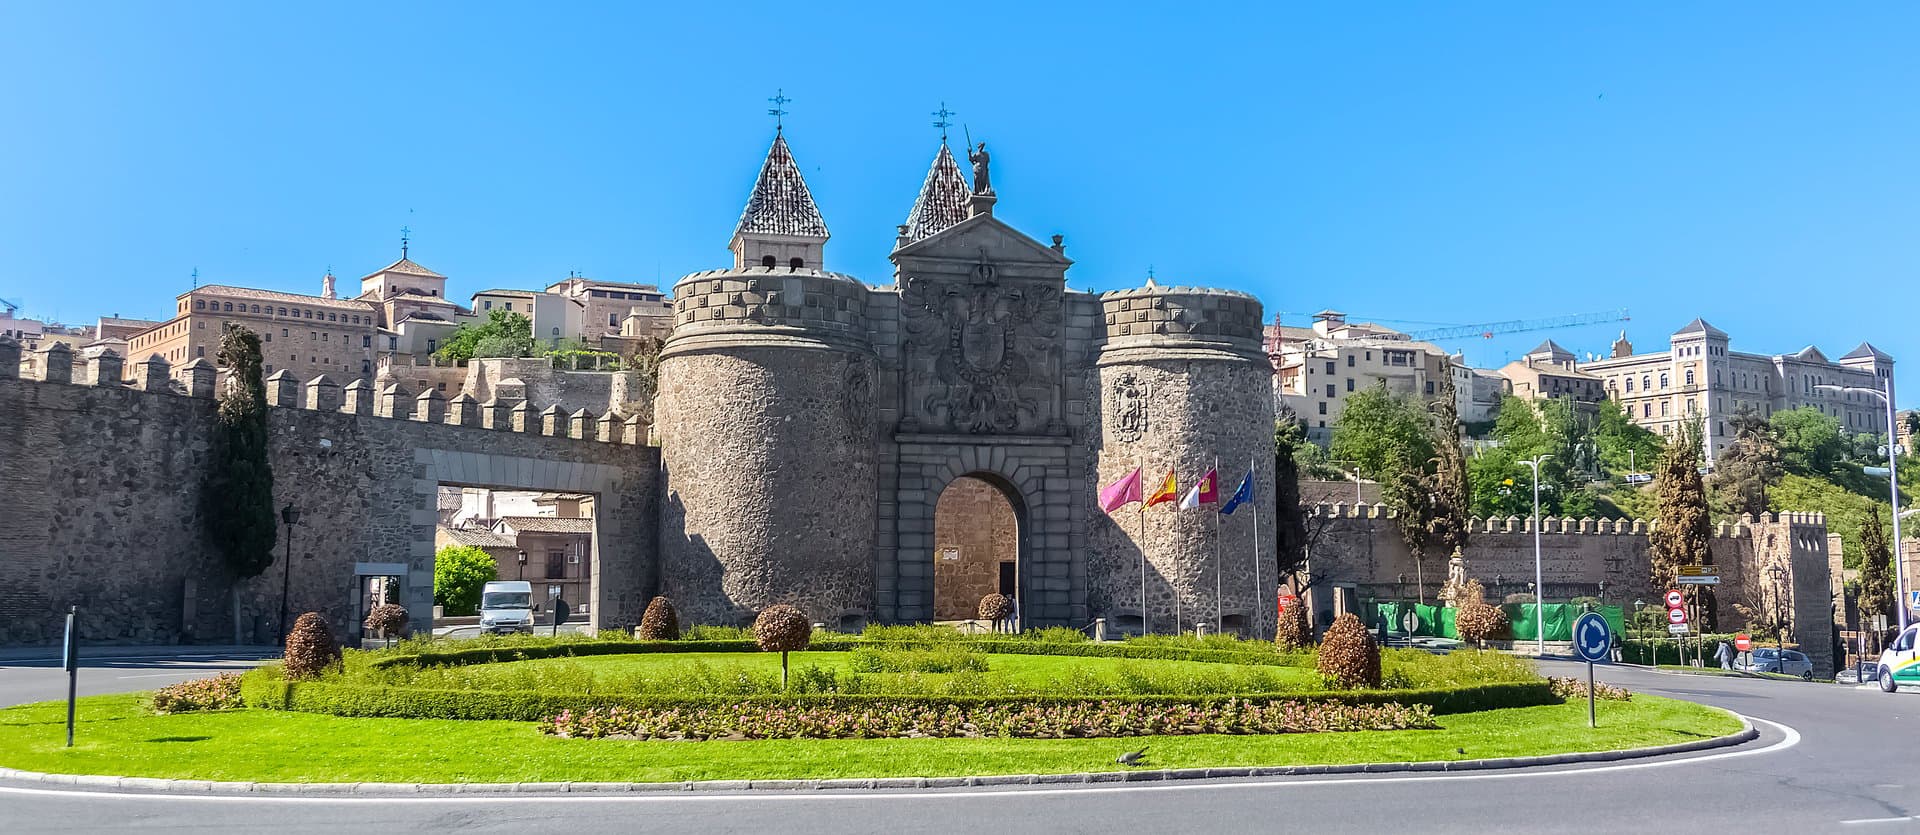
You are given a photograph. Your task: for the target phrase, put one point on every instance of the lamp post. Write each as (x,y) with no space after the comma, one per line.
(522,556)
(289,516)
(1893,489)
(1779,577)
(1539,584)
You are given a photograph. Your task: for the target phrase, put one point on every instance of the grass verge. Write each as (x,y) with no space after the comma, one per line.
(118,736)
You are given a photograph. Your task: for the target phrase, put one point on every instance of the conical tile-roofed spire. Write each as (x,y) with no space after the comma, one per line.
(781,204)
(943,198)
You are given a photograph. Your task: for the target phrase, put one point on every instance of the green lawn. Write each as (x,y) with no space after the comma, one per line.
(117,735)
(1028,670)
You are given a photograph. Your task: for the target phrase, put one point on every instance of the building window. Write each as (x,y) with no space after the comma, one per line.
(1330,391)
(200,350)
(1664,410)
(1330,365)
(366,341)
(199,304)
(1689,378)
(283,311)
(283,333)
(486,304)
(1663,381)
(393,343)
(1349,384)
(1323,410)
(768,261)
(433,345)
(333,317)
(509,305)
(1629,385)
(229,307)
(200,325)
(269,337)
(792,264)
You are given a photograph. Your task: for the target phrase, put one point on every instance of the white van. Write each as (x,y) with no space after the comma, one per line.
(1900,664)
(506,606)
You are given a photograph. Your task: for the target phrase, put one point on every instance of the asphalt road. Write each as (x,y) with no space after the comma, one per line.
(1839,759)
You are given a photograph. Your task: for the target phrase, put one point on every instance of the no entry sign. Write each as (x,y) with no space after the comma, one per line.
(1742,642)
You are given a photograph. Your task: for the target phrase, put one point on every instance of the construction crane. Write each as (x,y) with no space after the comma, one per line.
(1489,330)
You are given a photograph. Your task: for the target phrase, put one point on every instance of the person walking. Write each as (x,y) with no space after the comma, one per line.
(1723,655)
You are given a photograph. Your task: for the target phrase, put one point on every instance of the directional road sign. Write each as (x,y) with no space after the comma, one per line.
(1591,637)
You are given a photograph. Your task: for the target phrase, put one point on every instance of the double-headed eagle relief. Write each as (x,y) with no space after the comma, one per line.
(991,346)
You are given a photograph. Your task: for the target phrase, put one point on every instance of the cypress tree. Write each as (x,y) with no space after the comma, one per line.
(1452,494)
(1876,571)
(1289,524)
(1683,532)
(239,497)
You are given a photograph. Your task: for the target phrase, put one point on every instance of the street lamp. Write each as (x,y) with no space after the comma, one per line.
(1539,584)
(1356,477)
(289,516)
(523,564)
(1893,488)
(1779,577)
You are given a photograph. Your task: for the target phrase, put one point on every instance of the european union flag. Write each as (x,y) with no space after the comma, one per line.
(1240,496)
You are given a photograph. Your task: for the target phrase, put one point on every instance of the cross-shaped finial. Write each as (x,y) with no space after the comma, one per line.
(779,110)
(196,278)
(405,235)
(942,121)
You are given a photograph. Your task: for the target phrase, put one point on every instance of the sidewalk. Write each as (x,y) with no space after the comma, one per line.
(197,652)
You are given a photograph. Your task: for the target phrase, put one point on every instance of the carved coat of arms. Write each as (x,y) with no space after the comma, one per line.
(977,333)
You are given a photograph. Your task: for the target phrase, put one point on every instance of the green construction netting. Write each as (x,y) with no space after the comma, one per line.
(1438,621)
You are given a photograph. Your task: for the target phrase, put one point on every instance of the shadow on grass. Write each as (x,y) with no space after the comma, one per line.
(180,739)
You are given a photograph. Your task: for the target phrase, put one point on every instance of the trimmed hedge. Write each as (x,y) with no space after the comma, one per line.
(265,689)
(835,643)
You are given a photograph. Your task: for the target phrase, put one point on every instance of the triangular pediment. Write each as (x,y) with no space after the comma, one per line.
(968,239)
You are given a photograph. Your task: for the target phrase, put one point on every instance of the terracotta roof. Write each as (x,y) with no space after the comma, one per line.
(275,295)
(547,524)
(477,537)
(781,204)
(405,267)
(943,198)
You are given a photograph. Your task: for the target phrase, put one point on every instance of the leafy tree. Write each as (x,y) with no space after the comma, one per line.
(1380,431)
(1452,490)
(1747,467)
(460,572)
(239,513)
(1500,485)
(1876,570)
(503,334)
(1682,533)
(1625,446)
(1290,526)
(1409,494)
(1810,441)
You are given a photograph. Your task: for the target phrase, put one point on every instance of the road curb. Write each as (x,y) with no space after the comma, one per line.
(83,782)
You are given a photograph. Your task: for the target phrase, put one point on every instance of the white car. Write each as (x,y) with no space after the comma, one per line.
(1900,663)
(1774,660)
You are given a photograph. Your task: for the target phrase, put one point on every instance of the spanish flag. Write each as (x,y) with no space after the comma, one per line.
(1167,492)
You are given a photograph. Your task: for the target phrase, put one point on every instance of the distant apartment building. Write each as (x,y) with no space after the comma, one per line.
(415,317)
(1699,378)
(609,305)
(1550,371)
(554,317)
(305,335)
(1317,368)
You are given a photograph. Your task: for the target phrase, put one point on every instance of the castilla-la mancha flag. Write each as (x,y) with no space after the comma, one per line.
(1205,491)
(1166,493)
(1121,493)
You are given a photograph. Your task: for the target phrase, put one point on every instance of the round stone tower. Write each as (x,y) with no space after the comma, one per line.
(765,419)
(1185,385)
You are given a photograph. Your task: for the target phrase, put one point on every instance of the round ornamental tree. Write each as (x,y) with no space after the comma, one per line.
(661,622)
(310,648)
(996,608)
(1293,632)
(782,629)
(1349,659)
(1479,622)
(388,619)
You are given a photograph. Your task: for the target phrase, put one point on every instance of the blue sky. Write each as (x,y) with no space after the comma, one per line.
(1751,163)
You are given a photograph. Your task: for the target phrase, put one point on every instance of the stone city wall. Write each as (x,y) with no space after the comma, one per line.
(103,489)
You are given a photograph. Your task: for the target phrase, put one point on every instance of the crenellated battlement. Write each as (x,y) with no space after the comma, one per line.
(1571,525)
(200,379)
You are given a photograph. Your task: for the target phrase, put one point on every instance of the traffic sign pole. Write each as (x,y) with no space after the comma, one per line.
(1592,641)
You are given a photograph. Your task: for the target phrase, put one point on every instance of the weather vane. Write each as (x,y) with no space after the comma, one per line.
(942,120)
(779,110)
(405,234)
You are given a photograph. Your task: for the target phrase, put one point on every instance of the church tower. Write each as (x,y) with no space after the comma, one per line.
(942,201)
(781,226)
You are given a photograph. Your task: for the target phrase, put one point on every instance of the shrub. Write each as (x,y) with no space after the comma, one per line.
(388,619)
(1479,622)
(1055,635)
(996,607)
(704,632)
(661,622)
(782,629)
(1293,632)
(1574,688)
(1348,656)
(939,660)
(310,648)
(222,692)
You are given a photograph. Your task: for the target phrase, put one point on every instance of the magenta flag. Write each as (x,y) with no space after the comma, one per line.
(1118,494)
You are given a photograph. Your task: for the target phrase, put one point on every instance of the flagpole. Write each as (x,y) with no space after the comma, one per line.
(1171,585)
(1141,508)
(1219,605)
(1259,594)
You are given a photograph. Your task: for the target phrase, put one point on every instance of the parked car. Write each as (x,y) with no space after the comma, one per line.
(1775,660)
(1900,664)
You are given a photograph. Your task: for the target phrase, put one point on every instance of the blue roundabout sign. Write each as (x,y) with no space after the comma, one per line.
(1592,640)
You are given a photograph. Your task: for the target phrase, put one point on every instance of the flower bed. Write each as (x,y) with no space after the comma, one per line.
(1575,688)
(222,692)
(1029,720)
